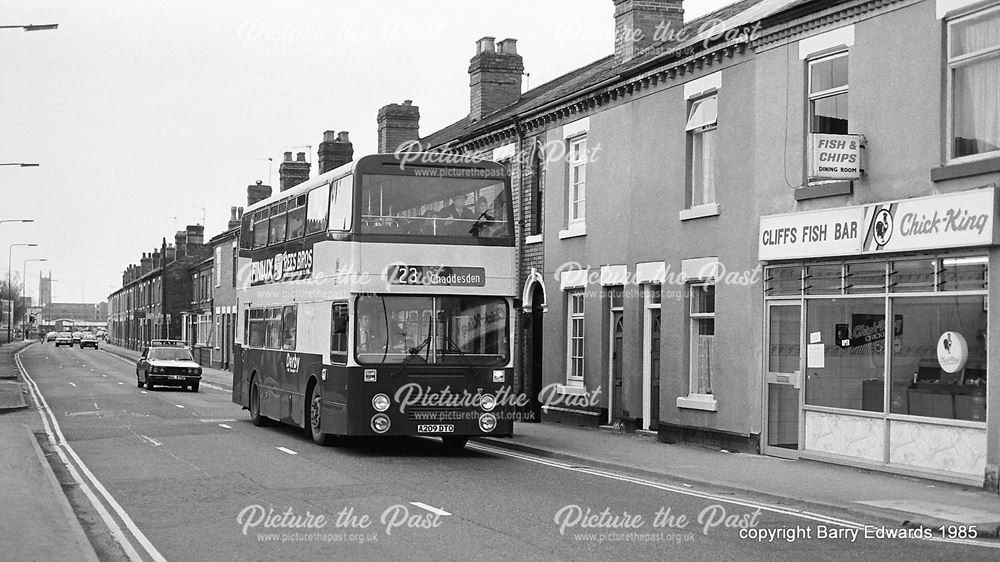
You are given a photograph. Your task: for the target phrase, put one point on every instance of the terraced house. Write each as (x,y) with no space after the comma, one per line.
(719,222)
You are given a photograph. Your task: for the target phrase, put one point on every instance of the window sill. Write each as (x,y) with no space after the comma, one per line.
(573,231)
(705,402)
(965,169)
(824,190)
(533,239)
(571,389)
(700,211)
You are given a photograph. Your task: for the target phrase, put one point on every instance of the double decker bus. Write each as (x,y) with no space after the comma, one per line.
(377,299)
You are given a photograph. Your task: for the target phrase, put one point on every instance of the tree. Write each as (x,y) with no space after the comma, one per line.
(12,292)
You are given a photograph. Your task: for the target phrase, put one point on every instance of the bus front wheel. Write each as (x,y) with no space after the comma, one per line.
(255,416)
(315,421)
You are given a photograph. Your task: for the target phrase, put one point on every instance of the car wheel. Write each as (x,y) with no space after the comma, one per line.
(315,419)
(255,416)
(194,387)
(149,383)
(454,443)
(138,381)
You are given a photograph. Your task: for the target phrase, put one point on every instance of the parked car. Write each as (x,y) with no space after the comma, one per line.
(51,336)
(64,338)
(167,365)
(76,337)
(88,340)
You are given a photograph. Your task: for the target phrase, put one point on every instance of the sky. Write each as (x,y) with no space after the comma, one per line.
(145,116)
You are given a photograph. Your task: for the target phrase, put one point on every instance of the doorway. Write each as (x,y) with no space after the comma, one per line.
(783,379)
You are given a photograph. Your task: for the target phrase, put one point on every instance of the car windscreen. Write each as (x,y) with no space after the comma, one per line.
(168,354)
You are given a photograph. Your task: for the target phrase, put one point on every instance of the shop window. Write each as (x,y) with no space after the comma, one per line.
(783,281)
(973,53)
(939,367)
(852,332)
(828,94)
(908,276)
(963,274)
(574,336)
(702,319)
(289,317)
(577,180)
(338,332)
(865,278)
(823,279)
(702,126)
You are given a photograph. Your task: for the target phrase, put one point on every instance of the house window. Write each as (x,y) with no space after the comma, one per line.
(574,367)
(702,316)
(218,266)
(828,94)
(974,84)
(577,179)
(537,189)
(702,125)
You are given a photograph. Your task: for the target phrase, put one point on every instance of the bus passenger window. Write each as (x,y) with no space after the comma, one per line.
(288,324)
(338,332)
(297,217)
(273,324)
(317,209)
(278,222)
(260,229)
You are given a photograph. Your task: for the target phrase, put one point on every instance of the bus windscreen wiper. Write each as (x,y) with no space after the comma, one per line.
(480,223)
(448,340)
(415,351)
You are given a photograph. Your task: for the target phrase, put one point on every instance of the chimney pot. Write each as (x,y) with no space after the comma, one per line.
(343,136)
(485,45)
(335,151)
(329,136)
(288,157)
(300,157)
(292,172)
(508,47)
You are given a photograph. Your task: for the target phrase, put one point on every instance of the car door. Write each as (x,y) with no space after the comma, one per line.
(143,366)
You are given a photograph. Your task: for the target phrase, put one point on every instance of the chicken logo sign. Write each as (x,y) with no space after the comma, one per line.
(952,352)
(882,227)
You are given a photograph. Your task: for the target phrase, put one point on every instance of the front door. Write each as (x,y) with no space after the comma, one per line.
(783,379)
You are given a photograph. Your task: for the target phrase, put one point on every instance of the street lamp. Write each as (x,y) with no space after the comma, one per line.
(33,27)
(10,254)
(24,277)
(21,164)
(17,220)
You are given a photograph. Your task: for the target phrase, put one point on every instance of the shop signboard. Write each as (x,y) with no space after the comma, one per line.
(955,220)
(835,157)
(830,232)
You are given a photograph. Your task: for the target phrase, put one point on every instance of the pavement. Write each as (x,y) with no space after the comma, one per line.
(38,522)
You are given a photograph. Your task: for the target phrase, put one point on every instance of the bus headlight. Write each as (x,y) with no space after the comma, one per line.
(487,422)
(380,423)
(488,402)
(499,375)
(381,402)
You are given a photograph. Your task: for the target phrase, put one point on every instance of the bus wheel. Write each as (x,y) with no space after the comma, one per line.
(454,443)
(315,422)
(255,416)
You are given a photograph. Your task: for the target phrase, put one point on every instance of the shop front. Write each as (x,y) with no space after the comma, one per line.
(876,334)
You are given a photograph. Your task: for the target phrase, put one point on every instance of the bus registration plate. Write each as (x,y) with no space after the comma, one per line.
(436,428)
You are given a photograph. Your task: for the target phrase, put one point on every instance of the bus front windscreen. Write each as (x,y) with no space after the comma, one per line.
(448,330)
(462,208)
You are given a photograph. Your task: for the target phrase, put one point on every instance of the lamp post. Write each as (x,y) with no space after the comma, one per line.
(21,164)
(10,254)
(24,277)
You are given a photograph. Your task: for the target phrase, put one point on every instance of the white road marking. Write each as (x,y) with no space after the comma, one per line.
(178,405)
(430,508)
(225,426)
(63,448)
(73,383)
(119,382)
(143,391)
(104,375)
(284,450)
(698,494)
(219,420)
(152,441)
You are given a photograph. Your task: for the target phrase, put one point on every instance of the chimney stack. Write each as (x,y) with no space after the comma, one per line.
(234,217)
(146,264)
(636,23)
(195,236)
(494,77)
(336,150)
(398,124)
(156,260)
(258,192)
(293,172)
(169,254)
(180,242)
